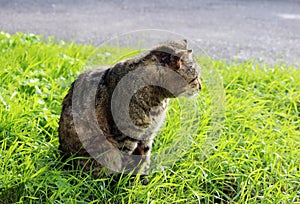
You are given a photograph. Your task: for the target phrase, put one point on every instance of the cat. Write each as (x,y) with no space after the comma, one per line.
(125,141)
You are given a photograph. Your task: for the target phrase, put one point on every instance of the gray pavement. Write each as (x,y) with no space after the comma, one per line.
(266,30)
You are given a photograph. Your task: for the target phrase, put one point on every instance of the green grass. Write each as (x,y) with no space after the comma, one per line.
(256,158)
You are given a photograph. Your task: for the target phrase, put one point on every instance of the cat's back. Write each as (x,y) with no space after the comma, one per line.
(81,95)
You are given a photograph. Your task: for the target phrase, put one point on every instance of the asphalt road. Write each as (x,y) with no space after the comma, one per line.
(266,30)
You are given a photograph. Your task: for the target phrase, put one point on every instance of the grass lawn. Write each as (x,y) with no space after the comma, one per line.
(256,158)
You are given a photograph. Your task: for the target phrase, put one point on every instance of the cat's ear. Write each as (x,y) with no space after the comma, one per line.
(184,43)
(167,59)
(180,53)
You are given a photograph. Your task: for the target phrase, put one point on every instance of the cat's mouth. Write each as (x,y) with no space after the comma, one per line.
(191,93)
(191,90)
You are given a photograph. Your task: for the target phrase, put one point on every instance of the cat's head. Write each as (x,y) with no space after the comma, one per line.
(176,56)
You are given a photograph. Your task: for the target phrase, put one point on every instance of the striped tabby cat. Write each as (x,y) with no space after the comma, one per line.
(170,65)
